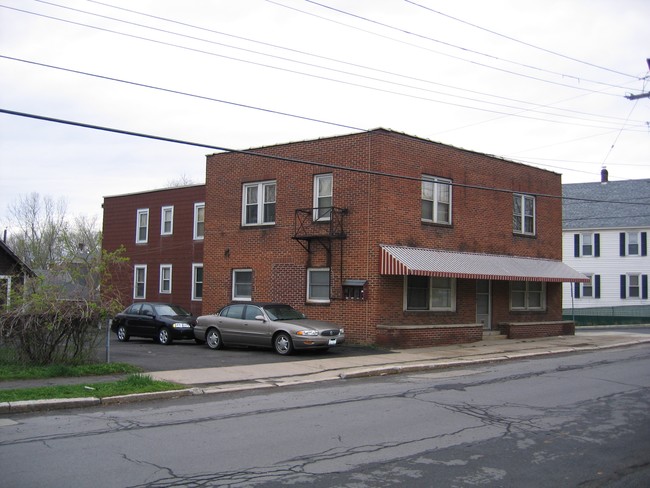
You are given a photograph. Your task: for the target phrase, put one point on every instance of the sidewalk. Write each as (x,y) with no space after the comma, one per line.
(239,378)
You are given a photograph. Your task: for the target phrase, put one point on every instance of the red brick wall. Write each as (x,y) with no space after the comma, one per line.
(412,338)
(179,249)
(382,210)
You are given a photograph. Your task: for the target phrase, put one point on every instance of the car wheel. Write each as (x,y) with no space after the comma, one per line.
(282,344)
(122,335)
(164,337)
(213,339)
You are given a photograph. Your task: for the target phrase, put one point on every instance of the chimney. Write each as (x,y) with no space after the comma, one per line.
(604,176)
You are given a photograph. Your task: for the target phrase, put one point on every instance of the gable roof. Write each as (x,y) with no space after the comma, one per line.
(613,205)
(25,269)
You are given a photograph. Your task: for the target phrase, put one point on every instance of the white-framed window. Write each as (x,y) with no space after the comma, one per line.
(523,215)
(429,293)
(436,200)
(588,288)
(197,281)
(323,196)
(527,295)
(142,226)
(634,286)
(167,220)
(633,244)
(586,244)
(140,281)
(318,285)
(258,203)
(587,248)
(165,278)
(242,284)
(199,221)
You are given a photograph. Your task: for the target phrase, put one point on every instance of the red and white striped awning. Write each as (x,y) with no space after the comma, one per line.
(402,260)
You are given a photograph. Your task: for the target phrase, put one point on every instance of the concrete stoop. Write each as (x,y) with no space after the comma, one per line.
(493,335)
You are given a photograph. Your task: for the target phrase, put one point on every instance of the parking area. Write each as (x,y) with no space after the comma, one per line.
(150,356)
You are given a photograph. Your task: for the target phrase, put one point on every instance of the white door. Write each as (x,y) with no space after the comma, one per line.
(484,303)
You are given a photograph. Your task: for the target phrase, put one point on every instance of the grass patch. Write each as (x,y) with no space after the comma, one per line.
(134,383)
(21,372)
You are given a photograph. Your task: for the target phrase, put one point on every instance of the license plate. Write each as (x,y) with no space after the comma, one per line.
(332,342)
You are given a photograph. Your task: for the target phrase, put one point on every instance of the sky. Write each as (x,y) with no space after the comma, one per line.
(543,83)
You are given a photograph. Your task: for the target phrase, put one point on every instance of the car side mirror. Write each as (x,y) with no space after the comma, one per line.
(260,317)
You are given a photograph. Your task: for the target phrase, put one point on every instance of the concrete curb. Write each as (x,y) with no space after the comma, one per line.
(315,377)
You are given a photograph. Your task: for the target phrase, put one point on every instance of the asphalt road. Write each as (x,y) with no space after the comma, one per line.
(151,356)
(560,421)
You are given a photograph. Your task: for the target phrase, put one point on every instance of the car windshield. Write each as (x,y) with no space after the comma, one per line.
(283,312)
(171,310)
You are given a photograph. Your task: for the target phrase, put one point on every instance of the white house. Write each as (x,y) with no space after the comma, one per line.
(605,236)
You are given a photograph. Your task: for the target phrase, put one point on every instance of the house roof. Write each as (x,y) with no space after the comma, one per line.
(402,260)
(613,205)
(26,269)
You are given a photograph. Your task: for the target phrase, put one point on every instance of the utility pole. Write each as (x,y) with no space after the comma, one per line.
(640,95)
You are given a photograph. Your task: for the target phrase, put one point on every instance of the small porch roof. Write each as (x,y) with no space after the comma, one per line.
(403,260)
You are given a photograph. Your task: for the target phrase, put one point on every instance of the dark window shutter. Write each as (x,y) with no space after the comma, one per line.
(577,290)
(596,286)
(622,244)
(576,245)
(644,243)
(644,287)
(623,287)
(596,245)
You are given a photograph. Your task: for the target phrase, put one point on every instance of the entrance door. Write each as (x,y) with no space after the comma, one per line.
(484,303)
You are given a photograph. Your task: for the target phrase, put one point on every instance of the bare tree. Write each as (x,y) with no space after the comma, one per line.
(41,224)
(182,180)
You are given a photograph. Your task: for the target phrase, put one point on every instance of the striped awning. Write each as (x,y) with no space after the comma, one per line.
(402,260)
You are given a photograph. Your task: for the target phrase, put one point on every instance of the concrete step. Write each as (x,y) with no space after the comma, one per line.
(493,335)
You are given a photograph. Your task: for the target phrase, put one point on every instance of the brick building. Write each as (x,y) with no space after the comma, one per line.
(404,241)
(162,232)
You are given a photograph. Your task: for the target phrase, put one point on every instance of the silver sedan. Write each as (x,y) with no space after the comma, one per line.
(275,325)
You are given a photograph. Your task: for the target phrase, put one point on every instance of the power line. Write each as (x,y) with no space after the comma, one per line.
(290,160)
(203,97)
(505,114)
(471,107)
(178,92)
(522,42)
(408,32)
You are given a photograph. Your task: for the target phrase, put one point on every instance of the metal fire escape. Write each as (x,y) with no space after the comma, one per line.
(324,230)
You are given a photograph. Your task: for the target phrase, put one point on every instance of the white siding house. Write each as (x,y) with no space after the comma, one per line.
(605,237)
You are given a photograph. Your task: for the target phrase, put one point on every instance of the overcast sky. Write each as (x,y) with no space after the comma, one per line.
(541,82)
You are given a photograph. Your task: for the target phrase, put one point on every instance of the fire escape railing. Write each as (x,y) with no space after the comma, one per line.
(308,226)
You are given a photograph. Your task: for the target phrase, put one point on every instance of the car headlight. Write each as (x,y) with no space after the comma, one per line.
(307,333)
(181,325)
(341,331)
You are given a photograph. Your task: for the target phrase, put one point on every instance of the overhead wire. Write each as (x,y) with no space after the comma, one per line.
(502,113)
(286,159)
(473,51)
(292,71)
(510,38)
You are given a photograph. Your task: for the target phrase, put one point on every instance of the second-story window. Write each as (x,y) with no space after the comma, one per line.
(323,197)
(199,220)
(258,203)
(167,221)
(436,200)
(634,243)
(523,215)
(586,244)
(142,226)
